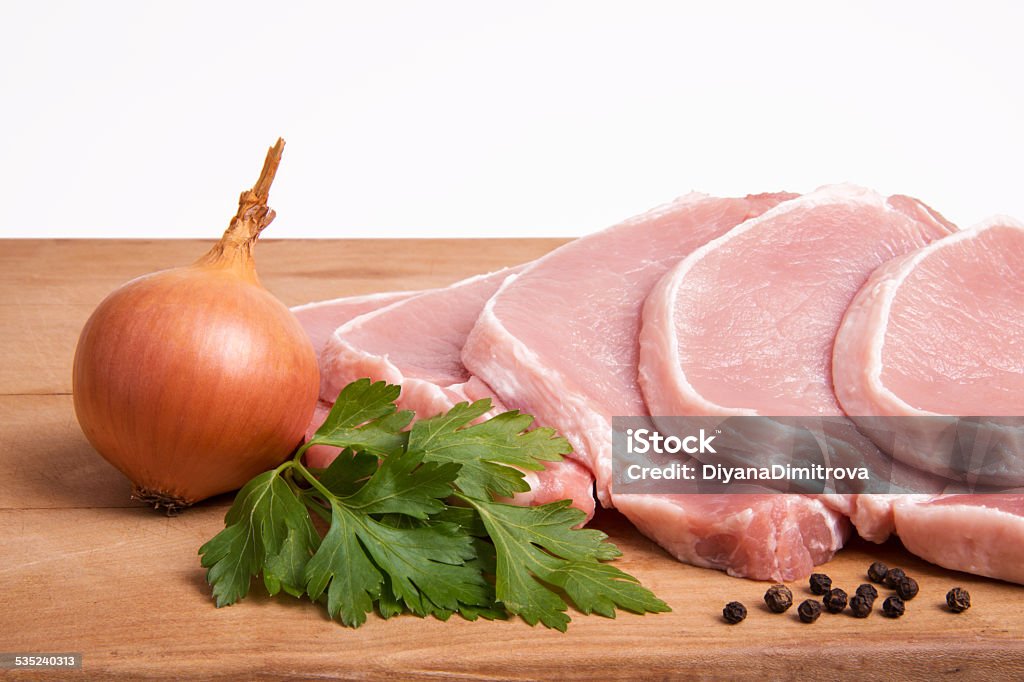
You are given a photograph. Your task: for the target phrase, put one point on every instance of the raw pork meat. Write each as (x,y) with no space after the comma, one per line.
(416,342)
(980,534)
(760,536)
(320,319)
(745,324)
(560,342)
(940,331)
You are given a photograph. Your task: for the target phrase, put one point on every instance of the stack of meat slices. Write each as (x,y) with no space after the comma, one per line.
(836,302)
(415,339)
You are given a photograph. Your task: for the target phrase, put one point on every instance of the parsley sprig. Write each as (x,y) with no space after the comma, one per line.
(413,525)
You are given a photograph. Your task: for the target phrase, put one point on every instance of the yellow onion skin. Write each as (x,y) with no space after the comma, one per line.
(192,381)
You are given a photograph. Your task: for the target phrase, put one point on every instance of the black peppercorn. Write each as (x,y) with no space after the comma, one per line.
(907,589)
(809,610)
(778,598)
(893,578)
(868,592)
(958,600)
(734,612)
(860,605)
(835,600)
(820,583)
(877,571)
(893,607)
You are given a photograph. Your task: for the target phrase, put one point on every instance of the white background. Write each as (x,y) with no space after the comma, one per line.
(494,119)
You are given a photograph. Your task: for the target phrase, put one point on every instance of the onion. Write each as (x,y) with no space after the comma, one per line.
(193,380)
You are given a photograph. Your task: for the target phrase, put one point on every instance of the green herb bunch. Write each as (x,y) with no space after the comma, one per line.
(413,525)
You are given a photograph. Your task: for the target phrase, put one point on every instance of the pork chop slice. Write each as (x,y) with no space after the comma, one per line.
(417,342)
(559,340)
(321,318)
(759,536)
(980,534)
(940,333)
(745,324)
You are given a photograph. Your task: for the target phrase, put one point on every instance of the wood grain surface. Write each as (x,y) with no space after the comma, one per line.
(84,569)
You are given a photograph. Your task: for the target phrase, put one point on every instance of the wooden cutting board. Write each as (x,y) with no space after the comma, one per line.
(83,569)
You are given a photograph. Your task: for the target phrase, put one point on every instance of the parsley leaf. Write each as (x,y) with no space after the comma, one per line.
(412,526)
(267,529)
(423,564)
(540,546)
(349,472)
(424,568)
(366,419)
(342,564)
(487,451)
(404,485)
